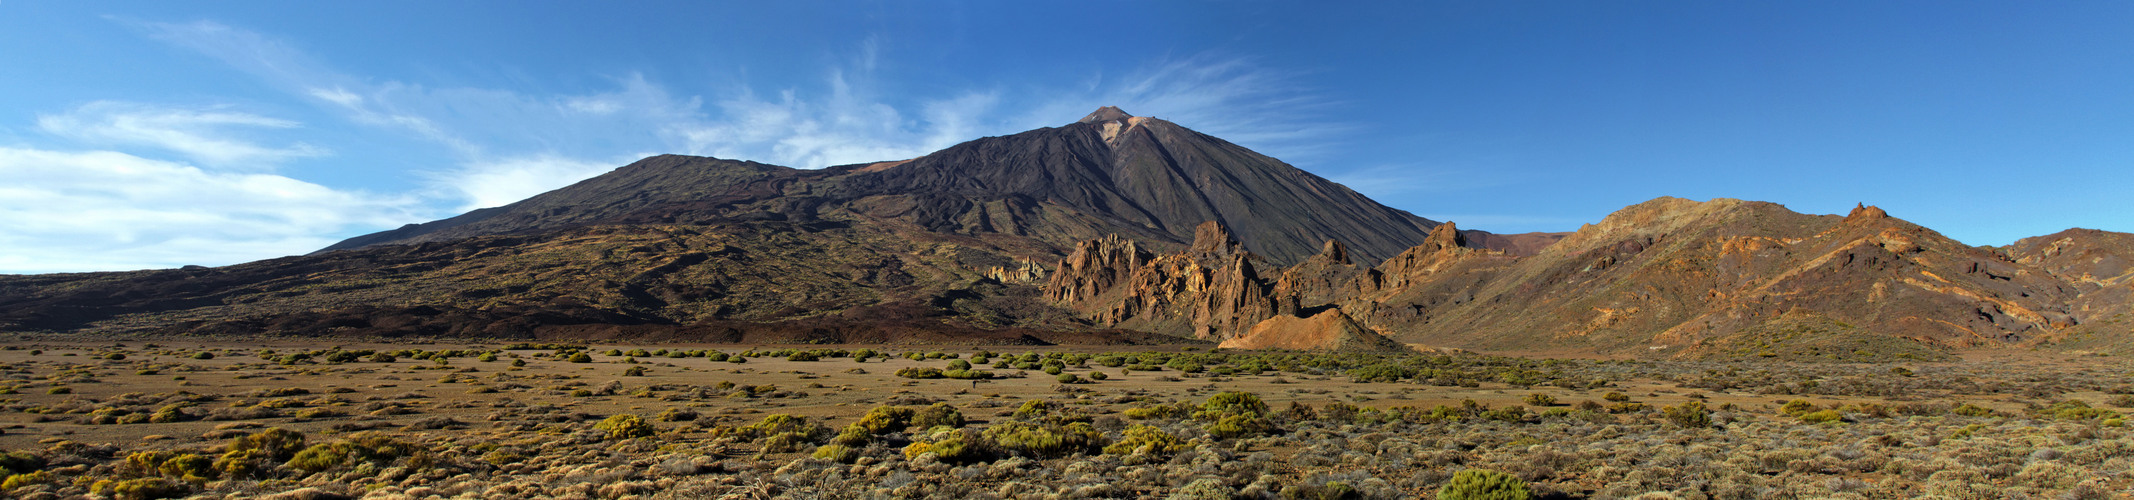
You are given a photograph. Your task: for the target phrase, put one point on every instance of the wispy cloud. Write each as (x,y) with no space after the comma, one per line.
(105,210)
(1235,98)
(213,136)
(502,182)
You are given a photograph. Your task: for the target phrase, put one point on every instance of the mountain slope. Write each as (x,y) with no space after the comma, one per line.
(1110,173)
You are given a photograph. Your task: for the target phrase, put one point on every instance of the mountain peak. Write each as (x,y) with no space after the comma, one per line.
(1106,114)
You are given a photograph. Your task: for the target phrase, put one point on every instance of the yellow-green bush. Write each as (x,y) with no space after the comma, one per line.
(949,446)
(625,426)
(853,435)
(243,464)
(778,423)
(25,479)
(1046,441)
(1690,415)
(938,415)
(886,419)
(1146,439)
(1154,412)
(1796,408)
(787,442)
(373,448)
(1822,416)
(278,443)
(1477,484)
(188,467)
(1236,426)
(140,489)
(1232,403)
(836,453)
(1036,408)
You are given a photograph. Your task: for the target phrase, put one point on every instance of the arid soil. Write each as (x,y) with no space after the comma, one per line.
(286,419)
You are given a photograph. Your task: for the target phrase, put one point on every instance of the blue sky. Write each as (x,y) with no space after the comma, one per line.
(158,134)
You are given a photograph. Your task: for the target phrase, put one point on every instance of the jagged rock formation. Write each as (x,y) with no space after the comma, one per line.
(1213,291)
(1024,271)
(1210,289)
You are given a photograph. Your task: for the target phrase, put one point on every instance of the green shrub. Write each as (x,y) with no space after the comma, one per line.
(1146,439)
(853,435)
(25,479)
(1233,403)
(242,464)
(836,453)
(1036,408)
(1098,376)
(920,373)
(1477,484)
(1615,397)
(625,426)
(141,489)
(1154,412)
(2075,409)
(502,458)
(1796,408)
(276,443)
(1236,426)
(886,419)
(1822,416)
(938,415)
(581,358)
(952,447)
(1046,441)
(1069,378)
(1690,415)
(375,449)
(188,467)
(320,457)
(1972,410)
(779,423)
(634,371)
(1539,399)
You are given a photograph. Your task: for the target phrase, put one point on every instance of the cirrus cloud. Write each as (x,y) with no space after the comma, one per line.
(106,210)
(210,135)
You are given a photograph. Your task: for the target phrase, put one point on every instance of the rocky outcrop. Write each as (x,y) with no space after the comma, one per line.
(1213,290)
(1024,271)
(1210,291)
(1329,330)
